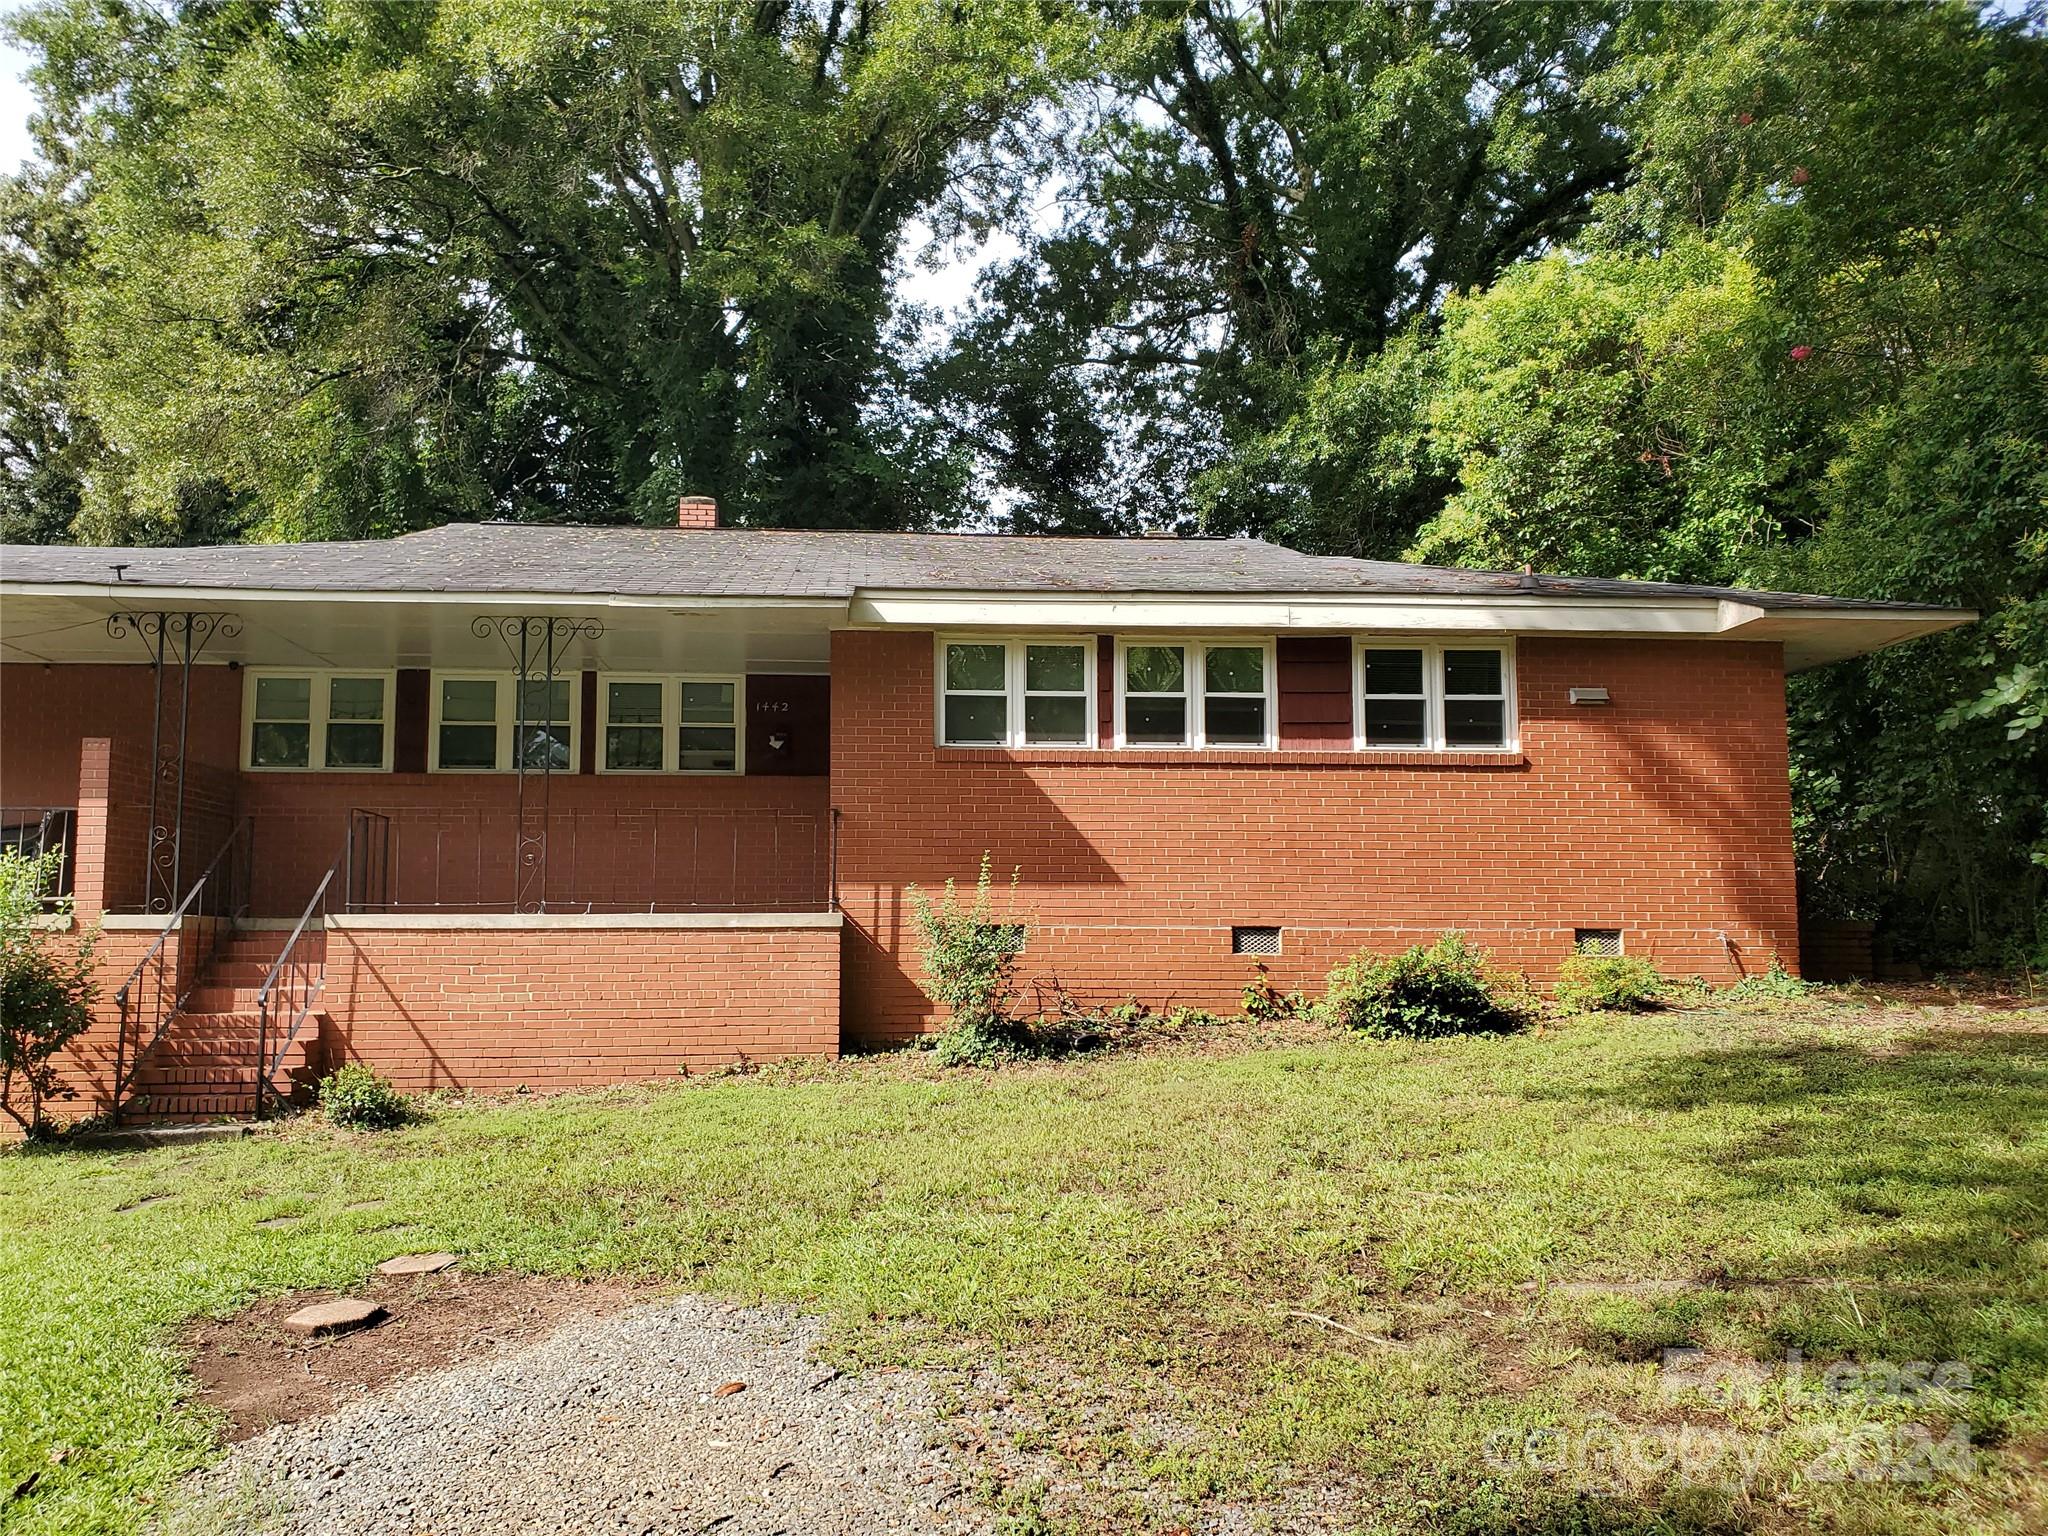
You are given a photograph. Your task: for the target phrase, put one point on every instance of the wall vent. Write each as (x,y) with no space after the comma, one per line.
(1255,941)
(1596,941)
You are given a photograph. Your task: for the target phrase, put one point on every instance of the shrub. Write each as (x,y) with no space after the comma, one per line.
(970,969)
(1263,1002)
(358,1098)
(1430,991)
(1777,985)
(46,985)
(1607,984)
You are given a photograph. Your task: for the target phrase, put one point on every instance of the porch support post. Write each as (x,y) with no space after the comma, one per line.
(538,644)
(171,640)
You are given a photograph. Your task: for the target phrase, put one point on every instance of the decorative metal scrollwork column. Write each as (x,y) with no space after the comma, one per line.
(171,639)
(538,644)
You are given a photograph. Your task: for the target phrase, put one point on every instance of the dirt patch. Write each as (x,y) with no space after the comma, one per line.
(258,1375)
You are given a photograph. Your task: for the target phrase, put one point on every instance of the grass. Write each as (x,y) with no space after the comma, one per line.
(1385,1265)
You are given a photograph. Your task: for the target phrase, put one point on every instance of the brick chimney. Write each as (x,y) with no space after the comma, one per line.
(697,512)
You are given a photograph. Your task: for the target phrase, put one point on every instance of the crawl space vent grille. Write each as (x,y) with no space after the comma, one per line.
(1597,941)
(1255,941)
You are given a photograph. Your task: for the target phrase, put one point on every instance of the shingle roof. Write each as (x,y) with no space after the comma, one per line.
(772,563)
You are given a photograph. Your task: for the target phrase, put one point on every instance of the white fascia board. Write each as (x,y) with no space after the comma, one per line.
(135,592)
(1507,613)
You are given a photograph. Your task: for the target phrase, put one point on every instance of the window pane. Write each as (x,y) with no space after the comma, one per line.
(1474,722)
(1056,719)
(977,720)
(280,746)
(632,746)
(1156,722)
(974,666)
(355,746)
(547,747)
(469,746)
(707,749)
(709,703)
(1393,723)
(1393,672)
(355,698)
(469,698)
(1234,722)
(545,701)
(634,703)
(1237,669)
(1155,669)
(284,698)
(1471,671)
(1055,669)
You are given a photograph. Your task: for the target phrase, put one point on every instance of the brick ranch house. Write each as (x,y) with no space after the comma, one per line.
(500,805)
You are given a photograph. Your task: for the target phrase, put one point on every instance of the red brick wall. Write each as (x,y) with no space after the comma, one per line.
(547,1008)
(739,844)
(1665,814)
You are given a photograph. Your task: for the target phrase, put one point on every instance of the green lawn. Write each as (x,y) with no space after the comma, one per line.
(1488,1236)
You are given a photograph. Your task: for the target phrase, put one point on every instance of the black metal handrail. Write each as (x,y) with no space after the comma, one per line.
(34,830)
(293,986)
(150,998)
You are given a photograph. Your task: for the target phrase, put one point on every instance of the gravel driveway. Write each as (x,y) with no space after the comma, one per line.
(611,1424)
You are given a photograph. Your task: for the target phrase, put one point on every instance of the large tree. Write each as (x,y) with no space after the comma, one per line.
(1252,190)
(357,267)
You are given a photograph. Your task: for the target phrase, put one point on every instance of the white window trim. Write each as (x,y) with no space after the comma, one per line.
(1195,675)
(672,721)
(317,706)
(1013,693)
(1433,691)
(507,712)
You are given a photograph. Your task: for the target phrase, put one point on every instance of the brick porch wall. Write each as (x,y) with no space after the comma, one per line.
(545,1008)
(1666,814)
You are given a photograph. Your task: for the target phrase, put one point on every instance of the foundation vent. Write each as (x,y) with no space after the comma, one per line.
(1605,942)
(1255,941)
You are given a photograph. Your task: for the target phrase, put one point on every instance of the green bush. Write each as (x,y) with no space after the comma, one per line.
(1777,985)
(358,1098)
(970,966)
(1607,984)
(1430,991)
(46,985)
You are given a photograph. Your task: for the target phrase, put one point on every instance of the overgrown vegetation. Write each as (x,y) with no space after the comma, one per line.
(1607,984)
(1424,993)
(354,1096)
(970,969)
(1776,985)
(47,983)
(1341,1264)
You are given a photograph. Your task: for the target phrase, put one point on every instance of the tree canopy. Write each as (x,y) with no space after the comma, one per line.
(1750,294)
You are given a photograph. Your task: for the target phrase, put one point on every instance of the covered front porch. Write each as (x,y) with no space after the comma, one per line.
(480,848)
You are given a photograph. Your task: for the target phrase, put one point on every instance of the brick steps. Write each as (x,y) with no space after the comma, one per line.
(205,1065)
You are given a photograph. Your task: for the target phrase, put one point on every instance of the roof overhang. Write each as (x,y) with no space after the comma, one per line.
(1812,637)
(64,621)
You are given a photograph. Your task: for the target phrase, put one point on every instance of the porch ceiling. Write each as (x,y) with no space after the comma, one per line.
(300,630)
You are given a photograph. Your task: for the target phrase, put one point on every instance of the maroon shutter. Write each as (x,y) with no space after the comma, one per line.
(587,725)
(411,710)
(1105,690)
(1315,691)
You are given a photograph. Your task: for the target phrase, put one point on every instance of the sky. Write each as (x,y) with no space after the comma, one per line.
(14,107)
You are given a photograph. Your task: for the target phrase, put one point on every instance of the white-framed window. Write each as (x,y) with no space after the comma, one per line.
(1195,693)
(655,723)
(1439,696)
(1027,692)
(322,721)
(474,718)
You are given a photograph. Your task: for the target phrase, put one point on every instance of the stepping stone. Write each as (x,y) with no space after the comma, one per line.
(328,1318)
(273,1223)
(417,1264)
